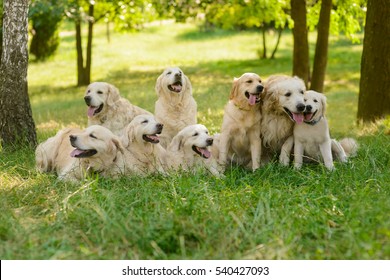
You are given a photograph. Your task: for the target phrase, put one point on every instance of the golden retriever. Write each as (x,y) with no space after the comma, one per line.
(107,108)
(239,140)
(175,106)
(74,153)
(142,143)
(189,150)
(311,138)
(282,106)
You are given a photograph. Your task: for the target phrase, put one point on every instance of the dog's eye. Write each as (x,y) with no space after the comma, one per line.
(249,82)
(89,91)
(301,92)
(305,100)
(92,136)
(169,73)
(99,92)
(315,100)
(196,134)
(145,121)
(207,132)
(288,94)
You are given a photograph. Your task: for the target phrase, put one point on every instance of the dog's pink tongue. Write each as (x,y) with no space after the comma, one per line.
(308,116)
(154,137)
(206,153)
(76,152)
(91,111)
(252,99)
(298,118)
(176,88)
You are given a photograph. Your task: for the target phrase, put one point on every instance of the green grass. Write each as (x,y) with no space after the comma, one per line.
(274,213)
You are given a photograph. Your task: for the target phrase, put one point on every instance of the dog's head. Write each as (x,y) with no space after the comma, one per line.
(143,128)
(315,106)
(285,94)
(193,138)
(173,81)
(100,95)
(97,144)
(247,90)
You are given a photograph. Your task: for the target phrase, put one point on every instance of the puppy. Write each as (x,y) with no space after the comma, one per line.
(140,139)
(107,108)
(189,150)
(311,138)
(282,106)
(175,106)
(73,153)
(240,140)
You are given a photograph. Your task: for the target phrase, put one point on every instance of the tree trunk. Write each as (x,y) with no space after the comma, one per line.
(280,30)
(17,126)
(374,96)
(89,44)
(301,59)
(263,30)
(80,58)
(321,54)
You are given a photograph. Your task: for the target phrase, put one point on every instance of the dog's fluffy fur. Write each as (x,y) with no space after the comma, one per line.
(74,153)
(141,140)
(239,140)
(311,138)
(282,106)
(107,108)
(175,106)
(189,150)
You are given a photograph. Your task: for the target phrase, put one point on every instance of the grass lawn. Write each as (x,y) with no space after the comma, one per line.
(273,213)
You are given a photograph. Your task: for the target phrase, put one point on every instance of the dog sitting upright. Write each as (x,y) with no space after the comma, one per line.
(311,138)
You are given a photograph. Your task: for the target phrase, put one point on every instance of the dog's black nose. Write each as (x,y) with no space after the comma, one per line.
(87,100)
(259,88)
(209,141)
(308,108)
(72,138)
(301,107)
(178,75)
(159,126)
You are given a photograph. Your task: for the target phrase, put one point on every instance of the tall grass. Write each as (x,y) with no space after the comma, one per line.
(273,213)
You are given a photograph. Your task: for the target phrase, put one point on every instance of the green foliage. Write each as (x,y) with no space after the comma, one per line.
(45,15)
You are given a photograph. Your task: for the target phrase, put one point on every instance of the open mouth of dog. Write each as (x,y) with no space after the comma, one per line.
(295,117)
(176,86)
(79,153)
(203,152)
(94,110)
(151,138)
(308,116)
(253,98)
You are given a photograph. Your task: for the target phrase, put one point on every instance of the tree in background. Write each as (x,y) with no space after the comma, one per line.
(45,16)
(17,126)
(374,96)
(1,28)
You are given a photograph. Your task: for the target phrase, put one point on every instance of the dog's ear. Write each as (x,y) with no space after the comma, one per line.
(118,144)
(233,92)
(323,103)
(158,86)
(128,135)
(113,95)
(270,98)
(188,84)
(176,144)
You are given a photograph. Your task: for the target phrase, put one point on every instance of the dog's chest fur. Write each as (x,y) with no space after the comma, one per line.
(275,128)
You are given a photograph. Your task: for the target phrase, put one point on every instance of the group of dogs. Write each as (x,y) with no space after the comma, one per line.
(261,119)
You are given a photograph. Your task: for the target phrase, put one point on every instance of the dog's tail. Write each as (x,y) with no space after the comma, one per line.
(350,146)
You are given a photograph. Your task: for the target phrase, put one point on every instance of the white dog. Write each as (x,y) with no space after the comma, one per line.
(74,153)
(240,140)
(175,107)
(311,138)
(189,150)
(144,153)
(107,108)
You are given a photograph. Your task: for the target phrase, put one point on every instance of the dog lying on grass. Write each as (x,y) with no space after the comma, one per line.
(311,138)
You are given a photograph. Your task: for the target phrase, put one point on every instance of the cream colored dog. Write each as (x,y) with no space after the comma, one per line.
(189,150)
(239,140)
(282,106)
(140,138)
(175,107)
(73,153)
(107,108)
(311,138)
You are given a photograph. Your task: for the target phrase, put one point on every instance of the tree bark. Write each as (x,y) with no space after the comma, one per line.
(301,59)
(321,52)
(374,96)
(280,30)
(89,44)
(80,58)
(17,126)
